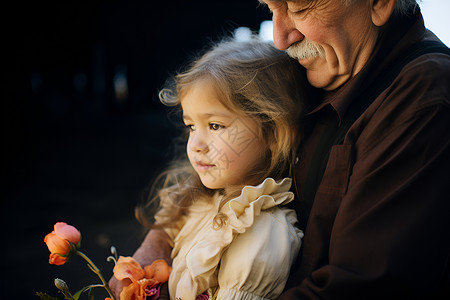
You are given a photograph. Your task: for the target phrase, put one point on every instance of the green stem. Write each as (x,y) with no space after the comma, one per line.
(96,271)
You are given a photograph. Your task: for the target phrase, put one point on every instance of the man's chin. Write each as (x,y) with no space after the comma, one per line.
(323,80)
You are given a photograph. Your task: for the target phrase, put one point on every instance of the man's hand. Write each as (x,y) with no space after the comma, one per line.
(116,285)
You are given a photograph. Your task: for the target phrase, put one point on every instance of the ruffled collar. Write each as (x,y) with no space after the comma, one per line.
(199,249)
(242,210)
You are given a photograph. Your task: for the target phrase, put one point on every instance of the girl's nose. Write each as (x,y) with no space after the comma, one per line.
(198,143)
(284,31)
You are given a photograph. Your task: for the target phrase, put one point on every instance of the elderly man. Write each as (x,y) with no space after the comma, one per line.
(372,176)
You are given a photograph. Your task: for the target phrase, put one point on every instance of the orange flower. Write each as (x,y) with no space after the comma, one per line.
(144,282)
(59,242)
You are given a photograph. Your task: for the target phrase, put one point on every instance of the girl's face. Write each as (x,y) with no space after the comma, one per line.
(223,147)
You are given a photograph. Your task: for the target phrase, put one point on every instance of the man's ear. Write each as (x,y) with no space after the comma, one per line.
(381,11)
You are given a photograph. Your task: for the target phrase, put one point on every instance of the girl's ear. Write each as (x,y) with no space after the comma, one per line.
(382,11)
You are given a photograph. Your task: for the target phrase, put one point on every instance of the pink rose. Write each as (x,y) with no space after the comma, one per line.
(58,242)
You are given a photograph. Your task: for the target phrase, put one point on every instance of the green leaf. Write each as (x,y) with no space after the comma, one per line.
(77,295)
(45,296)
(73,247)
(89,288)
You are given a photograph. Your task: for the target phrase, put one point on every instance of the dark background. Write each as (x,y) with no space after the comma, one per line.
(73,149)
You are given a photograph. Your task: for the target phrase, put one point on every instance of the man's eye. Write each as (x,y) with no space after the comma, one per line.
(298,9)
(215,126)
(297,12)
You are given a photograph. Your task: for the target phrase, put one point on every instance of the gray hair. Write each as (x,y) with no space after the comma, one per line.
(402,7)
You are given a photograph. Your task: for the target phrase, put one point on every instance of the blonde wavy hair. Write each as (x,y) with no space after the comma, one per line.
(255,80)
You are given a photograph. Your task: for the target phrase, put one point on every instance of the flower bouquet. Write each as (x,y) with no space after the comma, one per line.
(64,242)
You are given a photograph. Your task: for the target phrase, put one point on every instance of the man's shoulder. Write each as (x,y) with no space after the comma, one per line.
(424,82)
(429,66)
(419,94)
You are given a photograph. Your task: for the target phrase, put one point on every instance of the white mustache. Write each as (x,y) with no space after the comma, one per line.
(305,49)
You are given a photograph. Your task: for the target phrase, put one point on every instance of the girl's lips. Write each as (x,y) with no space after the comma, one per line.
(201,166)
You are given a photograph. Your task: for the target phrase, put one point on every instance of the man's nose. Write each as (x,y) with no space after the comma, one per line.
(284,31)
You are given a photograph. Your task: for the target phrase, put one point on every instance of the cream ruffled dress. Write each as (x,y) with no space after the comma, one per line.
(247,258)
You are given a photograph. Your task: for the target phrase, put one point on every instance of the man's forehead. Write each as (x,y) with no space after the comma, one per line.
(287,1)
(271,1)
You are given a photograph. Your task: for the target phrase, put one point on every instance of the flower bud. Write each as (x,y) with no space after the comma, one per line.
(114,251)
(61,285)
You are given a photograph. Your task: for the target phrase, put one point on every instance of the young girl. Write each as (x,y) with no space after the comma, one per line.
(224,207)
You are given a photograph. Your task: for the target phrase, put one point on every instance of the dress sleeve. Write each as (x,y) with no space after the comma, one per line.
(257,263)
(161,217)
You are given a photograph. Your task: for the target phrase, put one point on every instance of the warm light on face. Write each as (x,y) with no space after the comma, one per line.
(222,147)
(331,40)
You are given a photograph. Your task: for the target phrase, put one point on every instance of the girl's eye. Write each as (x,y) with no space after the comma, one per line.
(215,126)
(191,127)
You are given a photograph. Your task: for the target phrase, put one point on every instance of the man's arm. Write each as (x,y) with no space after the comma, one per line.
(155,246)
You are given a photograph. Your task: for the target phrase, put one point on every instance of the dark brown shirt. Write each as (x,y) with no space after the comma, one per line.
(378,225)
